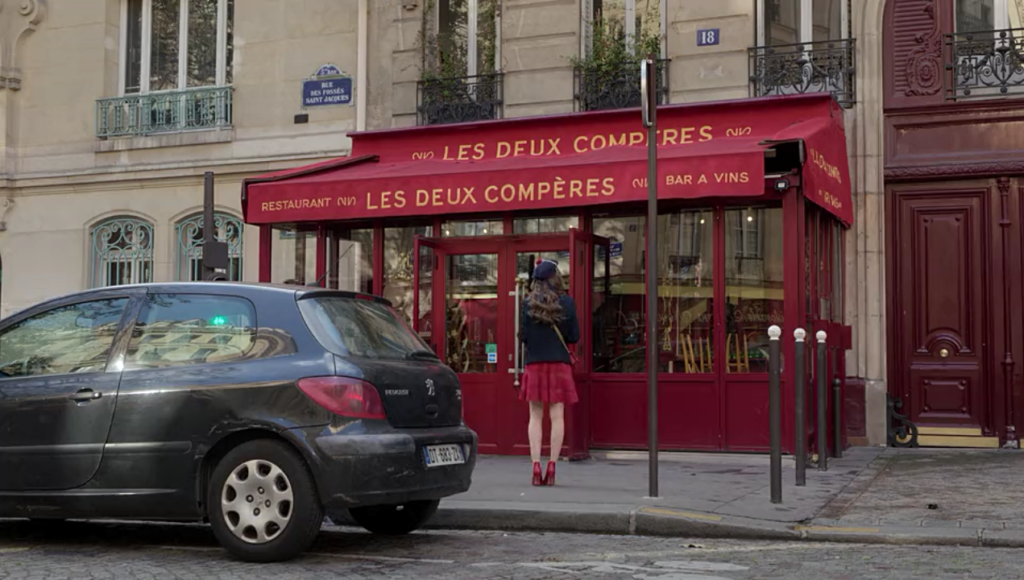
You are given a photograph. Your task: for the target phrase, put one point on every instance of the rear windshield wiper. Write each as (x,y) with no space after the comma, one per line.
(418,354)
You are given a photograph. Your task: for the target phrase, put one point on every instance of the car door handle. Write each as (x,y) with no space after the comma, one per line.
(86,395)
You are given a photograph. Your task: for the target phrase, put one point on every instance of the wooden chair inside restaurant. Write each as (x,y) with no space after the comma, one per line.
(737,354)
(699,361)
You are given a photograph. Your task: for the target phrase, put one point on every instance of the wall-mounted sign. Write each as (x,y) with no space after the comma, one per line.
(616,248)
(329,86)
(492,353)
(708,37)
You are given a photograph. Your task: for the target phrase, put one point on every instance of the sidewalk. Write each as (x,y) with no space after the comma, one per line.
(872,495)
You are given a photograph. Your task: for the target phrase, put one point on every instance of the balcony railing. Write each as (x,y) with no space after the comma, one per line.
(815,67)
(984,64)
(459,99)
(164,112)
(599,88)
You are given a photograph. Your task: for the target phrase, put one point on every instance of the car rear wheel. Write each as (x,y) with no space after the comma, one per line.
(395,520)
(262,502)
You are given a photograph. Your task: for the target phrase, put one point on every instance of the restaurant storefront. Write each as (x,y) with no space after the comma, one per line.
(448,221)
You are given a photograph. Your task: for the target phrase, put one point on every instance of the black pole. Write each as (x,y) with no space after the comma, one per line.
(822,403)
(775,413)
(651,99)
(800,413)
(837,418)
(209,229)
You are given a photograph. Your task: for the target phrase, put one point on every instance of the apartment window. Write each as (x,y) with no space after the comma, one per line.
(122,252)
(466,38)
(176,44)
(987,15)
(635,23)
(785,22)
(190,238)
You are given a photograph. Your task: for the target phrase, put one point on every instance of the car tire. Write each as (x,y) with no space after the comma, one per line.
(397,519)
(272,480)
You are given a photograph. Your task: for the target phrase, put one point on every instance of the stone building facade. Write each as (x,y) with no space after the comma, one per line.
(112,110)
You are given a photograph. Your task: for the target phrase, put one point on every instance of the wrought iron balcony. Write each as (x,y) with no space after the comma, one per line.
(815,67)
(599,88)
(984,64)
(459,99)
(164,112)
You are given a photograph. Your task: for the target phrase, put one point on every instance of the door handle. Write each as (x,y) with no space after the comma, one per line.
(86,395)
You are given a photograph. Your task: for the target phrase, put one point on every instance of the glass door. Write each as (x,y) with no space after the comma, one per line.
(468,308)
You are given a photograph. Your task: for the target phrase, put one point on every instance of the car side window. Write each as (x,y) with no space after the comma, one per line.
(67,340)
(191,329)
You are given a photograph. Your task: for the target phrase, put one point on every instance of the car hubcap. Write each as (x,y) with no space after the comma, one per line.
(257,501)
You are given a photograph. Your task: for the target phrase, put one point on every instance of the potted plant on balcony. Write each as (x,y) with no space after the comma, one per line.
(447,93)
(608,76)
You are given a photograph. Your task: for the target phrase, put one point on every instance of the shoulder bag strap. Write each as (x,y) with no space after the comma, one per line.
(559,333)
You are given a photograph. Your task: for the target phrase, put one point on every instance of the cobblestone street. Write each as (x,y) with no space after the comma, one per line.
(94,551)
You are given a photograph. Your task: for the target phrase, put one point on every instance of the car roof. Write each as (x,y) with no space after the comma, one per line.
(244,289)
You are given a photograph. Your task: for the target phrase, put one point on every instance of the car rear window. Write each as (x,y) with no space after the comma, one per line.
(360,328)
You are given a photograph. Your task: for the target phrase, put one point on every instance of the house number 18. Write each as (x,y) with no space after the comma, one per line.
(707,37)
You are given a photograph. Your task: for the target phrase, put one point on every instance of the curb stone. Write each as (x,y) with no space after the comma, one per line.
(647,521)
(856,488)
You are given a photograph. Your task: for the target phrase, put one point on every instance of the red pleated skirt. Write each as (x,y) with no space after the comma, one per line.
(549,382)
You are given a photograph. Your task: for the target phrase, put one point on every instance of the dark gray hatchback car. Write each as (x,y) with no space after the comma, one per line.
(256,408)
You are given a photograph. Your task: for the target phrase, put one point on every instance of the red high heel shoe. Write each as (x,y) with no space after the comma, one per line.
(537,481)
(549,477)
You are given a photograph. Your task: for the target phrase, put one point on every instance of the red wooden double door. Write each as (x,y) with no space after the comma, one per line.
(469,292)
(955,303)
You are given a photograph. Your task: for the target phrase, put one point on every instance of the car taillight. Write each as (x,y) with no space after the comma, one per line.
(344,396)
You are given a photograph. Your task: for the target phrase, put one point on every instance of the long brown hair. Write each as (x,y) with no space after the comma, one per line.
(544,300)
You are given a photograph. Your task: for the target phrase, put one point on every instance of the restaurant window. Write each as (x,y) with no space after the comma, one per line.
(398,267)
(786,22)
(686,292)
(122,252)
(618,302)
(350,260)
(545,225)
(838,266)
(176,44)
(471,228)
(753,292)
(294,257)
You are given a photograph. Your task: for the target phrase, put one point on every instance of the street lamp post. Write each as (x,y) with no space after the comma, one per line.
(649,106)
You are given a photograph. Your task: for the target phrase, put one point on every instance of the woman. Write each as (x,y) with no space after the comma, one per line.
(549,327)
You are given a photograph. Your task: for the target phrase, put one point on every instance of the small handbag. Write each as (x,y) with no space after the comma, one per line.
(573,359)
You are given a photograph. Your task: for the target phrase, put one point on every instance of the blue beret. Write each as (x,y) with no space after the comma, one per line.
(545,269)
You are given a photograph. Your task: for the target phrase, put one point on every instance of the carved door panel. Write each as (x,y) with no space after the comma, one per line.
(941,306)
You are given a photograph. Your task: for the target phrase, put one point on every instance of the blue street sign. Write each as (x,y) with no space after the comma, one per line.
(329,86)
(708,37)
(320,92)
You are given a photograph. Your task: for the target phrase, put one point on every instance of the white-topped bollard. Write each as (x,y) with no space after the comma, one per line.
(822,401)
(800,400)
(775,413)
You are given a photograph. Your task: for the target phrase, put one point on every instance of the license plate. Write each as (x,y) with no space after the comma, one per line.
(437,455)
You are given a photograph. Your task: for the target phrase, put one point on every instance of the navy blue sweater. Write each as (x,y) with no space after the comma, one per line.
(541,340)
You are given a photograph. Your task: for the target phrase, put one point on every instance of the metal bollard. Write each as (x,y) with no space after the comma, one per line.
(822,402)
(775,413)
(800,413)
(837,418)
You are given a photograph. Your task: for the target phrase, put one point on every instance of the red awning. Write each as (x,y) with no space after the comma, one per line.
(706,150)
(372,189)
